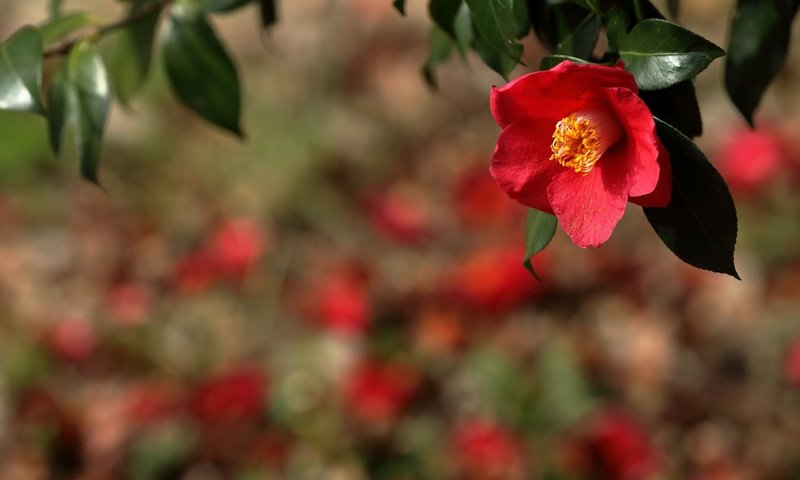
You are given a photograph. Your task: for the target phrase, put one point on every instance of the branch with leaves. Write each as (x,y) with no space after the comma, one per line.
(698,224)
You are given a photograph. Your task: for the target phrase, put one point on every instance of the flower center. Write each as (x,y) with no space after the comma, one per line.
(582,137)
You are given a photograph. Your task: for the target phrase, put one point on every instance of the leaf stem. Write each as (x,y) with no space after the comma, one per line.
(133,18)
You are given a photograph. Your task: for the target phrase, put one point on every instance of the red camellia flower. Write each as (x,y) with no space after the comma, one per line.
(237,395)
(339,301)
(578,142)
(619,447)
(750,159)
(493,280)
(235,246)
(378,392)
(486,451)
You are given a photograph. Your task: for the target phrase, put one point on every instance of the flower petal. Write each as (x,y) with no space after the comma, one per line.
(555,93)
(521,163)
(661,196)
(640,129)
(589,206)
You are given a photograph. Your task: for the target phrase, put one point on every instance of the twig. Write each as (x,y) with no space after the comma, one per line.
(145,12)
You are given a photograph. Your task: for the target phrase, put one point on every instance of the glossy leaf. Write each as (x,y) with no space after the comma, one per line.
(443,13)
(21,72)
(269,12)
(60,27)
(462,29)
(494,59)
(132,56)
(699,225)
(440,45)
(79,98)
(677,106)
(223,5)
(660,54)
(201,73)
(400,5)
(497,23)
(539,230)
(759,40)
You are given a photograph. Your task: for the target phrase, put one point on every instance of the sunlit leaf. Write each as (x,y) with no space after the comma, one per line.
(660,53)
(132,56)
(79,98)
(201,73)
(21,72)
(699,225)
(60,27)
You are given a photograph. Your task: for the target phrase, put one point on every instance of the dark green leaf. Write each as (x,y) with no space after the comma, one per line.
(269,12)
(132,56)
(677,106)
(571,30)
(522,20)
(201,73)
(497,23)
(223,5)
(551,61)
(494,59)
(757,48)
(58,28)
(400,5)
(621,17)
(79,97)
(440,45)
(443,13)
(699,225)
(660,54)
(539,230)
(21,72)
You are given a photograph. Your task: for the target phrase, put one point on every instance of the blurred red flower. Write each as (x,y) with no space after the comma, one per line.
(235,246)
(493,279)
(401,214)
(792,363)
(194,272)
(378,392)
(750,159)
(478,202)
(71,338)
(129,303)
(487,451)
(237,395)
(152,402)
(616,447)
(579,143)
(338,300)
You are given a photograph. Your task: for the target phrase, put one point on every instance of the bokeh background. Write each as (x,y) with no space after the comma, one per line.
(341,297)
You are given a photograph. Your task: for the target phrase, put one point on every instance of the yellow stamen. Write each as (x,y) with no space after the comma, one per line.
(581,138)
